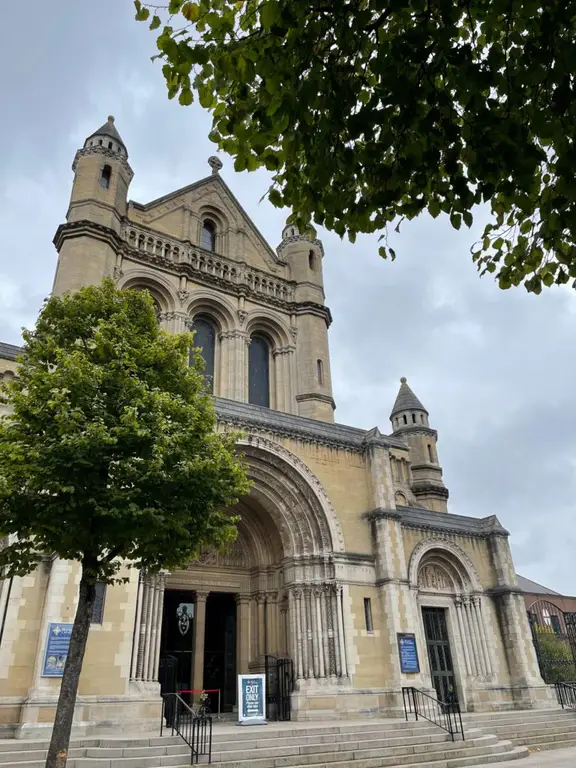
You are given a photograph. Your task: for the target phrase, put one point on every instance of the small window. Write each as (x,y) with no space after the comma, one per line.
(320,372)
(98,607)
(100,142)
(422,418)
(405,419)
(208,235)
(413,418)
(311,260)
(430,454)
(105,177)
(110,145)
(368,614)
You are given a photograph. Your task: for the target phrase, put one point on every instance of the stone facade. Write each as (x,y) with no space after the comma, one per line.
(344,539)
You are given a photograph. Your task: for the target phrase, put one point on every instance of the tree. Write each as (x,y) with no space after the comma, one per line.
(110,455)
(371,111)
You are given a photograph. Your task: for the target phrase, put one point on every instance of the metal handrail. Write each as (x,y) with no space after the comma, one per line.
(444,715)
(566,694)
(194,729)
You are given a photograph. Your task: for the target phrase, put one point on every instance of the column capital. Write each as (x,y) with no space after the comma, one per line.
(201,595)
(261,598)
(242,599)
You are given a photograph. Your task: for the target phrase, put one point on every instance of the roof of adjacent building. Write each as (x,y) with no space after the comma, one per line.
(9,351)
(406,400)
(108,129)
(532,587)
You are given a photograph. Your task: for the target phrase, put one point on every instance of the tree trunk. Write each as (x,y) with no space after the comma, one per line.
(58,751)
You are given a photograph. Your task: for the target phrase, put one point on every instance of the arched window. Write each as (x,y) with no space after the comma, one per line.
(105,177)
(208,235)
(405,419)
(413,418)
(320,372)
(311,263)
(259,372)
(430,453)
(205,339)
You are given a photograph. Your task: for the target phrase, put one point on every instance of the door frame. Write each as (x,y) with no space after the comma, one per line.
(455,640)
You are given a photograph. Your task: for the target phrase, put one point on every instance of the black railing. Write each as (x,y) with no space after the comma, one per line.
(445,715)
(194,729)
(566,693)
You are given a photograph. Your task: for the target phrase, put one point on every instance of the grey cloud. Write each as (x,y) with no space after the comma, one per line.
(495,369)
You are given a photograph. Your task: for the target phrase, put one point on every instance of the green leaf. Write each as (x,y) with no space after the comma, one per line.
(191,11)
(456,220)
(468,218)
(155,23)
(186,97)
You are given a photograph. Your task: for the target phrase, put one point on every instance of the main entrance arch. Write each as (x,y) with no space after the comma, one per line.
(273,592)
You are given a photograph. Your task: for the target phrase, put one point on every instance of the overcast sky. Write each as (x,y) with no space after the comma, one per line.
(495,369)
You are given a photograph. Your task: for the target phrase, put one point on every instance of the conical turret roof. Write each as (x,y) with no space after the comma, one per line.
(406,400)
(108,129)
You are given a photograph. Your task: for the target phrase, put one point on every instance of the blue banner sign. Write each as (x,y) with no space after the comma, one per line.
(409,663)
(252,699)
(57,646)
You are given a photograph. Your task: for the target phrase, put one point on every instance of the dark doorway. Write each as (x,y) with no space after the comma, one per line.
(220,649)
(178,634)
(439,654)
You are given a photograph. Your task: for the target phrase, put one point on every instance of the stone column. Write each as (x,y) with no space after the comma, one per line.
(137,622)
(161,587)
(242,634)
(261,602)
(272,623)
(199,633)
(341,634)
(459,607)
(143,625)
(320,631)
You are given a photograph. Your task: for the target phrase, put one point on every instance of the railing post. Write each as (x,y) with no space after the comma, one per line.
(414,701)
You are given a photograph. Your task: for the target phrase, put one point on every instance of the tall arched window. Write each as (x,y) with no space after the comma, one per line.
(259,371)
(205,339)
(105,176)
(208,235)
(320,372)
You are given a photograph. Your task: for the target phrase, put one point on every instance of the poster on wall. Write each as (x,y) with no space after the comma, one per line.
(409,663)
(252,699)
(57,645)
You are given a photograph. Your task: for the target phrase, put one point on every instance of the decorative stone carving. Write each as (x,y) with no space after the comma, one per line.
(242,315)
(183,295)
(235,557)
(431,577)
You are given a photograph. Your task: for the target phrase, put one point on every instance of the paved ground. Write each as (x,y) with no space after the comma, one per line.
(554,758)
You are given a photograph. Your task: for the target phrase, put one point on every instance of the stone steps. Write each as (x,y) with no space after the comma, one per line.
(372,744)
(536,729)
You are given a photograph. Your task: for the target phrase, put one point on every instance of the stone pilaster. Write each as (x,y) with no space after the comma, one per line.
(148,627)
(528,687)
(242,634)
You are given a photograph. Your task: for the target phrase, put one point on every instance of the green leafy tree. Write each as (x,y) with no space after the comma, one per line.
(370,112)
(109,455)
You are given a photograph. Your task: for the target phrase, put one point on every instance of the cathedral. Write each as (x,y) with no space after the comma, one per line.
(349,574)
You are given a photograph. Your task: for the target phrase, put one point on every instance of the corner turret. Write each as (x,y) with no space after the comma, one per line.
(303,253)
(410,420)
(88,243)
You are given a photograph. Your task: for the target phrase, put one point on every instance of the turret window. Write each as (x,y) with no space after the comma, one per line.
(208,235)
(320,372)
(105,176)
(311,260)
(259,372)
(205,340)
(405,419)
(422,418)
(430,453)
(413,418)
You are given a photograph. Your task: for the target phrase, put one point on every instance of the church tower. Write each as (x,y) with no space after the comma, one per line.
(304,253)
(88,243)
(410,421)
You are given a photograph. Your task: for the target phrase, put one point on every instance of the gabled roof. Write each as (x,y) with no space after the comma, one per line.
(406,400)
(216,179)
(532,587)
(108,129)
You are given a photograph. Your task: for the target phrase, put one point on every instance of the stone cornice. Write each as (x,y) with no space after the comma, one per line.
(317,396)
(416,429)
(255,418)
(503,590)
(429,489)
(108,153)
(90,229)
(440,522)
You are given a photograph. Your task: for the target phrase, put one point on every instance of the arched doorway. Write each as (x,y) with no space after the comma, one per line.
(554,636)
(273,593)
(454,618)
